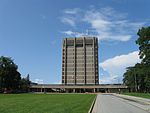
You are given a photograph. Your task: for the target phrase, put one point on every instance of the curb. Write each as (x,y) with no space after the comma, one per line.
(136,99)
(93,103)
(139,101)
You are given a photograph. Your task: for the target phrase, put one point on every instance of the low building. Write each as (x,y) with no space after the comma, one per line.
(103,88)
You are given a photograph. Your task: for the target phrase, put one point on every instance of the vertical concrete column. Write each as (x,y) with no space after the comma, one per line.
(74,90)
(75,61)
(84,50)
(65,65)
(97,73)
(94,60)
(67,90)
(94,90)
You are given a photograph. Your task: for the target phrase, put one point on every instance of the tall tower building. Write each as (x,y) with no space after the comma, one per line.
(80,61)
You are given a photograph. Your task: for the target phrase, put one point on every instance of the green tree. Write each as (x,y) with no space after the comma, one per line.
(144,44)
(138,77)
(25,84)
(9,76)
(134,78)
(129,79)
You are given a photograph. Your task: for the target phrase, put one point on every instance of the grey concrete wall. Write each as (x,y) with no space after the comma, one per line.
(80,61)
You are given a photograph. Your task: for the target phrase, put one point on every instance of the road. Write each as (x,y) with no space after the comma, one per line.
(107,103)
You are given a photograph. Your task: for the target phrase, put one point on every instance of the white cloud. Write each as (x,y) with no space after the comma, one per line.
(108,79)
(72,11)
(116,66)
(111,25)
(58,82)
(73,34)
(39,81)
(106,22)
(68,20)
(68,32)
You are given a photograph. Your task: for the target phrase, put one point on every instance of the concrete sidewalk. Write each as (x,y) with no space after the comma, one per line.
(115,103)
(142,103)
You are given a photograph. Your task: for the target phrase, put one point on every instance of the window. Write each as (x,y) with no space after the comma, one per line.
(79,45)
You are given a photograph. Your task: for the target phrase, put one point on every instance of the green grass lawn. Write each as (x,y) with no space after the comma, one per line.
(143,95)
(45,103)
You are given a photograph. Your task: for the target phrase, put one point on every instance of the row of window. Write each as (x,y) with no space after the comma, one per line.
(79,69)
(80,65)
(86,47)
(79,82)
(78,49)
(79,53)
(79,59)
(89,68)
(79,77)
(78,73)
(88,57)
(79,62)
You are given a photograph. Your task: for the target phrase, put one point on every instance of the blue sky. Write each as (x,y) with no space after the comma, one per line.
(31,32)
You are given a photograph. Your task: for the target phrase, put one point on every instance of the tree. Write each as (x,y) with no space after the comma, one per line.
(25,84)
(9,76)
(134,78)
(138,77)
(144,44)
(129,79)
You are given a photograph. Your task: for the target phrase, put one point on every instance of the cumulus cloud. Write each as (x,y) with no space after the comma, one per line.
(106,22)
(74,34)
(39,81)
(69,32)
(111,26)
(69,21)
(58,82)
(72,11)
(117,65)
(70,16)
(108,80)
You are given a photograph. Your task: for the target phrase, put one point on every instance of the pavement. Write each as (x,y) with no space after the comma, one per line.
(115,103)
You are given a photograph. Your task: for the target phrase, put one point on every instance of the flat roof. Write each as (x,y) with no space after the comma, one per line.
(113,86)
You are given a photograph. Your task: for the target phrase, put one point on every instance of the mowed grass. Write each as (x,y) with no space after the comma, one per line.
(143,95)
(45,103)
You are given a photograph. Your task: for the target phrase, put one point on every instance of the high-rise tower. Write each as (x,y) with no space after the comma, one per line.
(80,61)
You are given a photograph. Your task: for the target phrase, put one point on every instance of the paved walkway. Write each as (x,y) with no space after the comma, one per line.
(107,103)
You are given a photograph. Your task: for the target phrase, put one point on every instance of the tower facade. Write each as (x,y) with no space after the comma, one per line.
(80,61)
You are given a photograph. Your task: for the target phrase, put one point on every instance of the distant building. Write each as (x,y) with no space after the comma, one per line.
(80,61)
(79,69)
